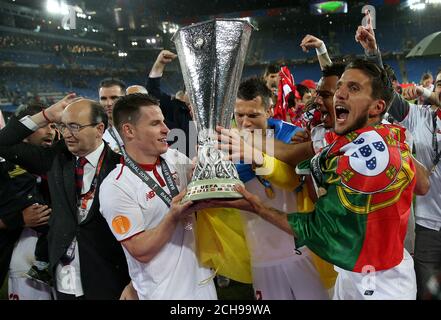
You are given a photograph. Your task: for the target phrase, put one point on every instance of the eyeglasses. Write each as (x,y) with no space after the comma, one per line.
(74,127)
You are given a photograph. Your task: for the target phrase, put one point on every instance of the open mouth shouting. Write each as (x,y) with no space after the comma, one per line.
(341,113)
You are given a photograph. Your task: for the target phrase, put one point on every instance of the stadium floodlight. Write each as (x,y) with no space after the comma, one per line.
(64,9)
(172,29)
(57,7)
(169,27)
(421,4)
(52,6)
(416,4)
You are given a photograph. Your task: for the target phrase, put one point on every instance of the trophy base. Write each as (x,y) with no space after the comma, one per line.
(212,189)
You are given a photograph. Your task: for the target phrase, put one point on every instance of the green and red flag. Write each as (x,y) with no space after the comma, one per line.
(367,178)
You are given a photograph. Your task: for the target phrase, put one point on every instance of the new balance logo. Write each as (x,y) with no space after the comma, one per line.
(149,195)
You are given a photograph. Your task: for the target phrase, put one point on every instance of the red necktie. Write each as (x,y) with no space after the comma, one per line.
(79,172)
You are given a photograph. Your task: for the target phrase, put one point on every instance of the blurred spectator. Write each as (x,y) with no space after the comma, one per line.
(427,81)
(310,84)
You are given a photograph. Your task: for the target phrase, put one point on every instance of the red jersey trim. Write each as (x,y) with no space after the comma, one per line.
(122,167)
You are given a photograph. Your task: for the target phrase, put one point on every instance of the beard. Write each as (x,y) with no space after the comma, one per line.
(360,122)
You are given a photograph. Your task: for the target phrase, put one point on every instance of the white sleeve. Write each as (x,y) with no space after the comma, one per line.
(416,116)
(121,210)
(29,123)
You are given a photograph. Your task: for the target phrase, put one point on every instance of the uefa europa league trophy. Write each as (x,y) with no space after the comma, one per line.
(212,56)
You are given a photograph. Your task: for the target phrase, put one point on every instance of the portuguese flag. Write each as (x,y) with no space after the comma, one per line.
(366,179)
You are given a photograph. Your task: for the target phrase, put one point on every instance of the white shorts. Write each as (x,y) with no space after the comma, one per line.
(20,288)
(288,279)
(397,283)
(23,255)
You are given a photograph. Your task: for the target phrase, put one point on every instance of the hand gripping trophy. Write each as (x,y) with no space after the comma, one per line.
(212,55)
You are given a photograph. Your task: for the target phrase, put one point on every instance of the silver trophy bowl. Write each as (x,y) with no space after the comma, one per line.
(212,55)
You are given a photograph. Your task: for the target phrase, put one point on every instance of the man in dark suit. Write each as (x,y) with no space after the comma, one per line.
(86,260)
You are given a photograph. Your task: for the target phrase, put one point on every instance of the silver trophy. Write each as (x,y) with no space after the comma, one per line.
(212,55)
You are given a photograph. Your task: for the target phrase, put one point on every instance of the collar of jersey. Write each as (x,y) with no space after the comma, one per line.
(149,167)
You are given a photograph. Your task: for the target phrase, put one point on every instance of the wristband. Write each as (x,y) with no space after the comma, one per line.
(44,115)
(321,50)
(426,93)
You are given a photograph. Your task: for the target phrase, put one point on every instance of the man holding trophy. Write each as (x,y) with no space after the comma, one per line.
(155,230)
(140,197)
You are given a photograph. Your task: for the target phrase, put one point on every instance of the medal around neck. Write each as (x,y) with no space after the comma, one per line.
(212,55)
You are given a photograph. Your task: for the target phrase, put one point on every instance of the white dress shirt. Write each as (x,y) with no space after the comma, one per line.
(68,277)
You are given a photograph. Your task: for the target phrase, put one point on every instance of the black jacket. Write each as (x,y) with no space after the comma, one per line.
(104,272)
(176,114)
(18,190)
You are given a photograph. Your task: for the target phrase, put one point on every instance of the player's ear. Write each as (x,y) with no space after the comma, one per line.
(127,130)
(377,108)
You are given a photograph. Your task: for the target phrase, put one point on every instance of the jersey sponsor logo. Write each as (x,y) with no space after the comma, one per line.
(121,224)
(150,195)
(369,292)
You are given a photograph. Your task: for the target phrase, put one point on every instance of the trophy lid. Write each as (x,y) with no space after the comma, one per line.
(197,24)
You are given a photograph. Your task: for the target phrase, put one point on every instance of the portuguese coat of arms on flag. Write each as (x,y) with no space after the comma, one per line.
(361,220)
